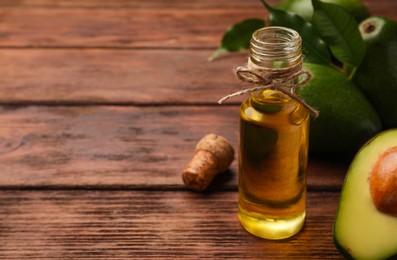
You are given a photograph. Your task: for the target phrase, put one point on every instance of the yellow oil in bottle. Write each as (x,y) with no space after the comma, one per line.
(272,165)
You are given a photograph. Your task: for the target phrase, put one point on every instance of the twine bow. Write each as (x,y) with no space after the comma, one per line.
(283,80)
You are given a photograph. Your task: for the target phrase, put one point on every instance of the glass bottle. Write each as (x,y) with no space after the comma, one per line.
(273,146)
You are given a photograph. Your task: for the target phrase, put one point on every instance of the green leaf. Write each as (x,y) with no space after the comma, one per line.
(314,48)
(304,8)
(238,36)
(340,31)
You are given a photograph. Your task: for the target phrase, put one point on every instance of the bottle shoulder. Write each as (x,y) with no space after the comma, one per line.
(270,113)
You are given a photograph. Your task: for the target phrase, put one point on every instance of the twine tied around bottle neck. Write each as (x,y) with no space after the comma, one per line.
(285,80)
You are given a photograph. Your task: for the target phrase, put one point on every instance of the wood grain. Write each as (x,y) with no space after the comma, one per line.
(97,76)
(138,27)
(167,4)
(379,6)
(101,105)
(143,24)
(149,224)
(127,147)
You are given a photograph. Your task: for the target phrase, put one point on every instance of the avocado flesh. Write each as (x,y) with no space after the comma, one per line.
(360,230)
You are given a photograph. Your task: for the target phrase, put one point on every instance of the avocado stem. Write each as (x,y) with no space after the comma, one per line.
(369,27)
(349,71)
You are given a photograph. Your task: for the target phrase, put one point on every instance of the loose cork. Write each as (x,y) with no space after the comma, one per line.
(213,155)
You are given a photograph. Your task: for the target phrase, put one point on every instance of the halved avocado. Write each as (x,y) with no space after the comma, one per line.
(362,228)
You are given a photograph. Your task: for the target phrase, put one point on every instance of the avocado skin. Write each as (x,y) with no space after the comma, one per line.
(346,121)
(376,76)
(340,248)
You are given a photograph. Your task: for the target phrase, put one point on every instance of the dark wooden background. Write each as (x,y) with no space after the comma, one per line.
(101,105)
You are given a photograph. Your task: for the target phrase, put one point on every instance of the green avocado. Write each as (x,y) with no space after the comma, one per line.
(376,76)
(304,8)
(361,230)
(346,121)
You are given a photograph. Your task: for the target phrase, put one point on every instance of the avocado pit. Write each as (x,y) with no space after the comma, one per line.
(383,182)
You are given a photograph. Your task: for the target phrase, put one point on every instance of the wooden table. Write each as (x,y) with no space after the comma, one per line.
(102,103)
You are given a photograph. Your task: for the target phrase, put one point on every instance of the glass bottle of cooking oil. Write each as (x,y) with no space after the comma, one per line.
(273,149)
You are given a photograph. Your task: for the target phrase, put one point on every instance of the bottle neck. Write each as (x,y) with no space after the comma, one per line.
(275,52)
(275,48)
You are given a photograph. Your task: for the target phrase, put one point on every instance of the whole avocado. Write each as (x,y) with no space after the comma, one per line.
(346,121)
(376,76)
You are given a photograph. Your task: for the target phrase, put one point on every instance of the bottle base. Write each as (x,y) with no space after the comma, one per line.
(271,228)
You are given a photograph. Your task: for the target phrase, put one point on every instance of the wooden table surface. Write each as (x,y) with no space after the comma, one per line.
(102,103)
